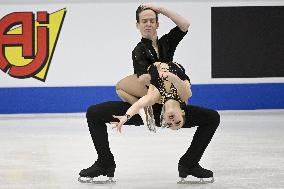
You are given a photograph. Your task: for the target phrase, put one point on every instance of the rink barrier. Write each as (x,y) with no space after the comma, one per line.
(78,99)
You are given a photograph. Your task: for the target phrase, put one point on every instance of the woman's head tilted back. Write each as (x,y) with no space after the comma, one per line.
(172,115)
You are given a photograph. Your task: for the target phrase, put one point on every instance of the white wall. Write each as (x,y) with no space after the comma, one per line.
(96,40)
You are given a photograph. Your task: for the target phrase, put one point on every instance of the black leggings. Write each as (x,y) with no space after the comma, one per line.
(98,115)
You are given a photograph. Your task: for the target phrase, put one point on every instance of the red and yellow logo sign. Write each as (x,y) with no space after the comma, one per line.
(27,45)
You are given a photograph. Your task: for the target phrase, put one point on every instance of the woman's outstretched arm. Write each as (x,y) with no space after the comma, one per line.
(152,97)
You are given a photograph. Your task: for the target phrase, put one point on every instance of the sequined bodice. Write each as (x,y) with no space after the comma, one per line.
(159,83)
(166,95)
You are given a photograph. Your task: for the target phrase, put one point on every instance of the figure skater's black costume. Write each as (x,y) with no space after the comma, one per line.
(98,115)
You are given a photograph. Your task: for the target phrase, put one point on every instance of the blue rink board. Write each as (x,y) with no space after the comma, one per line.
(78,99)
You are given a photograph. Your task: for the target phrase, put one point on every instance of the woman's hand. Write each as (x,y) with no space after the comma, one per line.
(118,125)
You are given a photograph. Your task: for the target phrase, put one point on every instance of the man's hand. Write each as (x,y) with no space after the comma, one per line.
(180,21)
(164,72)
(168,76)
(154,7)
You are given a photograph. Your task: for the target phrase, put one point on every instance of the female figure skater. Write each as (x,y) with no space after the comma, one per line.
(169,86)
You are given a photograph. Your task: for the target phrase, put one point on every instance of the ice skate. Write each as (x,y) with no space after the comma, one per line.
(205,176)
(87,175)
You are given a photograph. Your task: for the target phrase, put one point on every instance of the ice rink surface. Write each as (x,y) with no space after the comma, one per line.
(46,151)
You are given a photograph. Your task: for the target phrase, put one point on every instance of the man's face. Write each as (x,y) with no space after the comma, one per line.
(148,24)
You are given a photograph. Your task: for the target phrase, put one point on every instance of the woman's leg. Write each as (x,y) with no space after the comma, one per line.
(129,89)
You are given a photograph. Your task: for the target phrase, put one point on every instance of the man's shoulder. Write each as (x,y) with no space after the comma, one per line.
(139,47)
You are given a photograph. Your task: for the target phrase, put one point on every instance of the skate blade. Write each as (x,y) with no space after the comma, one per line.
(201,181)
(104,182)
(85,179)
(91,180)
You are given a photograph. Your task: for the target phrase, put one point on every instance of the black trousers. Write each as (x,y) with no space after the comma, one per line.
(98,115)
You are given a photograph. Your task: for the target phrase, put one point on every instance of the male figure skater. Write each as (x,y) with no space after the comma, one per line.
(98,115)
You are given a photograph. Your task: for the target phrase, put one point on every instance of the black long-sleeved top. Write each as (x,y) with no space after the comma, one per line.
(144,53)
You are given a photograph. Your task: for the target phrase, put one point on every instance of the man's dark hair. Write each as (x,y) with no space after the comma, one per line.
(140,9)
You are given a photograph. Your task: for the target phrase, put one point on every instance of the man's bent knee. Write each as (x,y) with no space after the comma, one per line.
(215,117)
(92,113)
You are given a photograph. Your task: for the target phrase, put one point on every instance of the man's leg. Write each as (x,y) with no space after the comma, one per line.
(207,121)
(97,117)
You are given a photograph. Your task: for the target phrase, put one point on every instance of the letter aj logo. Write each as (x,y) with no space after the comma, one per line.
(26,45)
